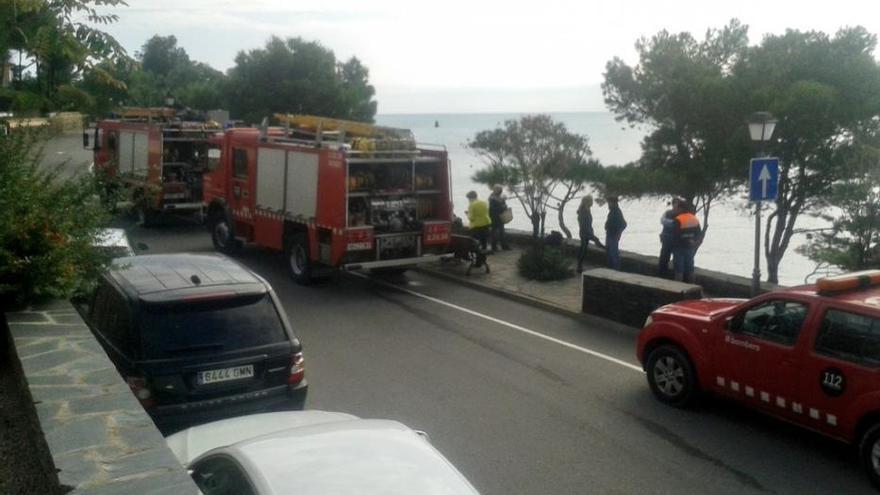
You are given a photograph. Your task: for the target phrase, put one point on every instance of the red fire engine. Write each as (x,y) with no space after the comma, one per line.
(330,194)
(157,156)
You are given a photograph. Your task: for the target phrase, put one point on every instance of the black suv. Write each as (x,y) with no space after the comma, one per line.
(197,338)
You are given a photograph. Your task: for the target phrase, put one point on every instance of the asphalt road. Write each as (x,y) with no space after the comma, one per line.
(518,413)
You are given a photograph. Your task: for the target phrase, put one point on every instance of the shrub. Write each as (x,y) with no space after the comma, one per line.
(544,263)
(48,225)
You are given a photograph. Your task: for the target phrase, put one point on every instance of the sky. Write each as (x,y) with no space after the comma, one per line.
(462,56)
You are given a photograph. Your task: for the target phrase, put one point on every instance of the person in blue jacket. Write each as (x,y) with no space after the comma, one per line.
(615,224)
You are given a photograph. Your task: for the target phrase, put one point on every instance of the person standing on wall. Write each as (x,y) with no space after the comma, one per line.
(686,237)
(497,206)
(667,221)
(478,219)
(585,224)
(615,224)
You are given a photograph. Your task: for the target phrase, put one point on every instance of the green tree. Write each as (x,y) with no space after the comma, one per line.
(532,157)
(853,241)
(682,90)
(48,225)
(826,93)
(298,76)
(173,73)
(60,38)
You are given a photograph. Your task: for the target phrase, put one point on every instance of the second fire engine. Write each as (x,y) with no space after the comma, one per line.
(329,194)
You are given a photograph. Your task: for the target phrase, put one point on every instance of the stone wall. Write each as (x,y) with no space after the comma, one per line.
(99,437)
(629,297)
(714,283)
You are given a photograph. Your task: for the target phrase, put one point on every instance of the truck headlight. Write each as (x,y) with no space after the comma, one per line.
(648,321)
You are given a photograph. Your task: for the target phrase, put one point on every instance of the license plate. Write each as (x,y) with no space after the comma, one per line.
(225,374)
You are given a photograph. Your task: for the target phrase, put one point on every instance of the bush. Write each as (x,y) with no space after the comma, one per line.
(27,104)
(544,263)
(48,226)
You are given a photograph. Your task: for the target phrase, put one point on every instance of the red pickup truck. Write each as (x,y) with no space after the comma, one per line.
(809,355)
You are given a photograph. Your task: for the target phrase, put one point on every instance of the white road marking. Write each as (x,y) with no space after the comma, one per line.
(513,326)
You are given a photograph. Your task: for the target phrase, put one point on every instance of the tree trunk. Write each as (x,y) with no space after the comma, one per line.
(561,218)
(543,223)
(536,225)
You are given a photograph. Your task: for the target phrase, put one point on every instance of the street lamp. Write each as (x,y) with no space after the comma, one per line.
(761,126)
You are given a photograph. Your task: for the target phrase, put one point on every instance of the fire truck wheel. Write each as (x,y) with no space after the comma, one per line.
(869,453)
(671,376)
(222,236)
(298,263)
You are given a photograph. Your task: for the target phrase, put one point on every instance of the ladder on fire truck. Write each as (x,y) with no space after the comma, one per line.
(359,138)
(315,124)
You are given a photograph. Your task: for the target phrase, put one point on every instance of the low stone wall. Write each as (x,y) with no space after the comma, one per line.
(99,437)
(67,121)
(714,283)
(629,297)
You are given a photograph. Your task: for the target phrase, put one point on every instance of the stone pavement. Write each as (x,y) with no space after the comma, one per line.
(562,296)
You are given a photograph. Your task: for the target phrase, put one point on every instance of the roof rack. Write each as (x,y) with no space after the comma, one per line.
(147,113)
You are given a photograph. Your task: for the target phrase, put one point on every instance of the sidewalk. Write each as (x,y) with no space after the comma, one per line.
(563,296)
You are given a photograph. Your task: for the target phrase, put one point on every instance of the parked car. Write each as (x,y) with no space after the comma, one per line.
(809,355)
(114,242)
(314,453)
(197,338)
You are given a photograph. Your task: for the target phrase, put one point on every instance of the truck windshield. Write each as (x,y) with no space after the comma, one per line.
(174,330)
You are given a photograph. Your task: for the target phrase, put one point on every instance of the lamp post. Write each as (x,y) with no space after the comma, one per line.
(761,126)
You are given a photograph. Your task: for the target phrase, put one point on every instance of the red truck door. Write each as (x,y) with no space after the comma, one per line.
(241,199)
(759,355)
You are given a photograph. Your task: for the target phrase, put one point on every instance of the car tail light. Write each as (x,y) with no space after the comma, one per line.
(297,369)
(138,386)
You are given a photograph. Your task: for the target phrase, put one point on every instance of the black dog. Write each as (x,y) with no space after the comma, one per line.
(467,249)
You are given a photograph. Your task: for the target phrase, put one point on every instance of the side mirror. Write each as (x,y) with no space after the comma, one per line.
(733,323)
(86,139)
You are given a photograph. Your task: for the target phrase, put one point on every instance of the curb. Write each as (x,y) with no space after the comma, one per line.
(530,301)
(490,289)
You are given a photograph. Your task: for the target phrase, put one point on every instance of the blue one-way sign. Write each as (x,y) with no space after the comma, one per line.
(763,179)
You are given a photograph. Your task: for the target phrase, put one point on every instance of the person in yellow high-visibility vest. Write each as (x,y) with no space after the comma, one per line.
(478,219)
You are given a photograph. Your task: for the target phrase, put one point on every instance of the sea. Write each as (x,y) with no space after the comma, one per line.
(729,243)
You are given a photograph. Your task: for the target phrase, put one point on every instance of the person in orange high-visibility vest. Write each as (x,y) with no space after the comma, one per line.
(686,238)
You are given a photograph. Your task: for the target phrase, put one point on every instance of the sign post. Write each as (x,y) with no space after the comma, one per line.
(763,186)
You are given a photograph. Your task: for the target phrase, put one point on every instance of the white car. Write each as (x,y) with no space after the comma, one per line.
(312,453)
(114,242)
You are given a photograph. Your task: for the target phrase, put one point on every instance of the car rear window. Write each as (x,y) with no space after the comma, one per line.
(175,330)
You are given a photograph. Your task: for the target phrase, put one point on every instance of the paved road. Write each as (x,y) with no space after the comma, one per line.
(516,412)
(66,153)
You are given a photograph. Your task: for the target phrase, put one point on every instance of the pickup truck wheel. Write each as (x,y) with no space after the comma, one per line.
(671,376)
(223,237)
(869,453)
(298,262)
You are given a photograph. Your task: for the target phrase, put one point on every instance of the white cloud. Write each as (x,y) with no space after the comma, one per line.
(461,45)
